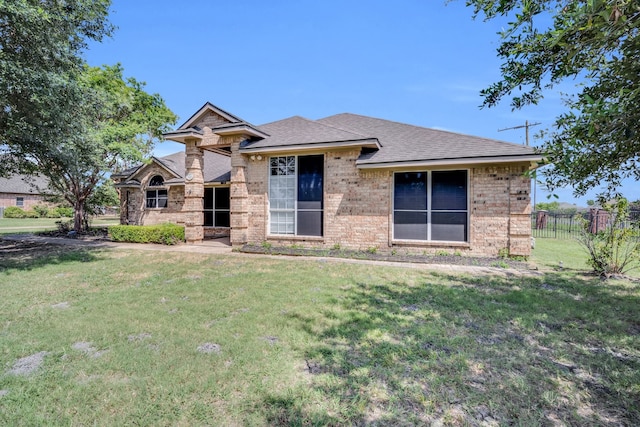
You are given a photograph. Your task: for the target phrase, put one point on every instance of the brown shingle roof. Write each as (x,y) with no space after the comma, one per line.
(300,131)
(408,143)
(217,167)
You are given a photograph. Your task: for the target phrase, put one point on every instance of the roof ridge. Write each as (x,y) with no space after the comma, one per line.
(322,124)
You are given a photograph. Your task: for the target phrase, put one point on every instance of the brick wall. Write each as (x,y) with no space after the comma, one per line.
(30,200)
(135,211)
(500,210)
(358,215)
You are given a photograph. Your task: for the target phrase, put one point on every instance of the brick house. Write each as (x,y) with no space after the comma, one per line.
(23,191)
(348,180)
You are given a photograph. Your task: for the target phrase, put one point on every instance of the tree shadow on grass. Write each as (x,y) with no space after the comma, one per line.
(22,255)
(470,351)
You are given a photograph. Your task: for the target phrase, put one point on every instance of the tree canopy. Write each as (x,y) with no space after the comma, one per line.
(70,122)
(41,42)
(596,142)
(120,124)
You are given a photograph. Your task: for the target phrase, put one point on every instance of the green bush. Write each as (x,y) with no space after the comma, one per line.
(65,211)
(53,213)
(41,210)
(14,212)
(167,234)
(31,214)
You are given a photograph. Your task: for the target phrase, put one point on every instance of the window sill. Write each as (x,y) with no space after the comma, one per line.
(434,243)
(294,237)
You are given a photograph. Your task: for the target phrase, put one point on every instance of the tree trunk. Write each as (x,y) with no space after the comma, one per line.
(78,216)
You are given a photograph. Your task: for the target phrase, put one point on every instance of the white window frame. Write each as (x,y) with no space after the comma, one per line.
(157,198)
(20,202)
(429,209)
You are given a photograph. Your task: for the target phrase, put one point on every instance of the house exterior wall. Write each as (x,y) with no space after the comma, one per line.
(133,208)
(30,200)
(358,209)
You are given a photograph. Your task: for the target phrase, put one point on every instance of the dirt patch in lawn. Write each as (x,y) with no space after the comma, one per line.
(23,253)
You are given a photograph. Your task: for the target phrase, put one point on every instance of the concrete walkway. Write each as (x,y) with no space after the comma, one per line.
(222,246)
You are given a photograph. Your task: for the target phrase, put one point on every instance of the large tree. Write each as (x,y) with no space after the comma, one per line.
(41,45)
(118,123)
(58,117)
(596,142)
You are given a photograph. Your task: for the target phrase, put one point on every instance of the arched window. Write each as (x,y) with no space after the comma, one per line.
(156,198)
(156,181)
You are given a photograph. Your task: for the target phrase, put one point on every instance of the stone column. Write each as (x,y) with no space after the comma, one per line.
(193,193)
(239,197)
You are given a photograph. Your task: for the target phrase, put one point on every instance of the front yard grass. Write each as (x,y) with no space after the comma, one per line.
(150,338)
(32,225)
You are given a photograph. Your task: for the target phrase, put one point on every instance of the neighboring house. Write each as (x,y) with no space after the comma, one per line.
(345,180)
(23,191)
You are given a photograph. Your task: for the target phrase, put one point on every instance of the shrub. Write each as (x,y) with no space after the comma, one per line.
(167,234)
(31,214)
(616,249)
(53,213)
(65,211)
(14,212)
(41,210)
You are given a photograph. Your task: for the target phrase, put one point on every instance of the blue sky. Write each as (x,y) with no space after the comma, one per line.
(413,61)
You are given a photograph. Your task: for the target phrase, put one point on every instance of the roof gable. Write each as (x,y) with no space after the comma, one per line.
(211,116)
(170,163)
(217,167)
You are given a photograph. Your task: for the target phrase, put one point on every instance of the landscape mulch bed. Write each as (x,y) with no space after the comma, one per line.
(397,257)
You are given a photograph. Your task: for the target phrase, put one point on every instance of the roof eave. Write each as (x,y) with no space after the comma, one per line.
(368,143)
(182,136)
(450,162)
(243,129)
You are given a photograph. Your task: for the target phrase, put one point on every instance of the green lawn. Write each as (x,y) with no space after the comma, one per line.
(309,343)
(31,225)
(548,254)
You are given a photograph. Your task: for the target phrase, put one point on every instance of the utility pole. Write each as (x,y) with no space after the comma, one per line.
(526,127)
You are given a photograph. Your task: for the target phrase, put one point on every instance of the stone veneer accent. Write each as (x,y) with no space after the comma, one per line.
(193,194)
